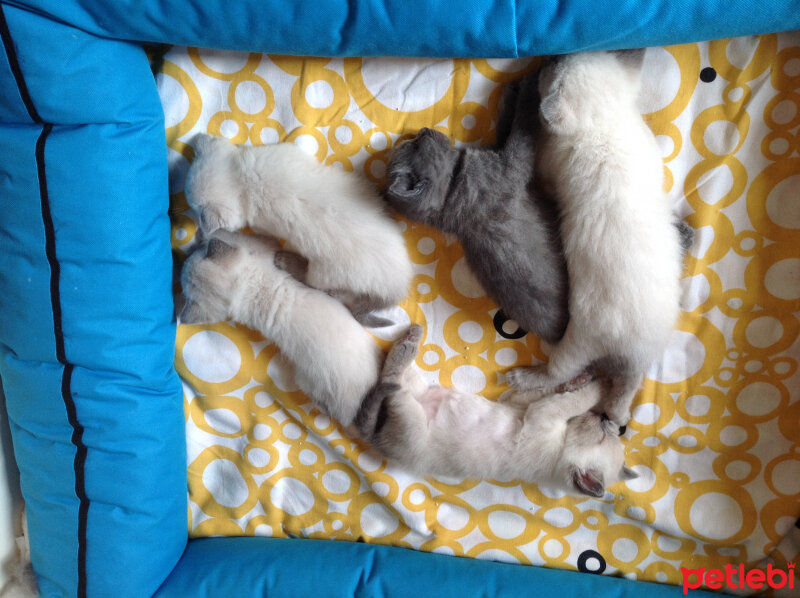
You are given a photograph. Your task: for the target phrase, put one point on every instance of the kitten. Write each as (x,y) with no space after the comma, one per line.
(622,246)
(335,219)
(486,198)
(233,277)
(551,439)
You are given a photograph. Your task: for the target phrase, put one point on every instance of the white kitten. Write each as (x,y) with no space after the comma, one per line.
(335,219)
(233,277)
(552,439)
(622,250)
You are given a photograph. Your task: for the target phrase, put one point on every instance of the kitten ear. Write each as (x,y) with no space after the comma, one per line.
(632,59)
(588,481)
(557,112)
(628,474)
(406,186)
(194,313)
(217,249)
(211,220)
(204,143)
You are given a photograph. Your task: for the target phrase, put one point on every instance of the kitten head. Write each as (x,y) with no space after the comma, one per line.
(212,189)
(215,274)
(589,89)
(418,175)
(593,457)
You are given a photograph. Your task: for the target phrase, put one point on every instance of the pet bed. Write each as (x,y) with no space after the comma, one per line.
(712,430)
(87,331)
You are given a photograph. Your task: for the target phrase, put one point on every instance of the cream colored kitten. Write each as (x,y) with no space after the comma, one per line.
(622,249)
(335,219)
(233,277)
(551,439)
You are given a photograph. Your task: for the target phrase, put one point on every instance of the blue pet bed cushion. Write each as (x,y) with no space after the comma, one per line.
(86,319)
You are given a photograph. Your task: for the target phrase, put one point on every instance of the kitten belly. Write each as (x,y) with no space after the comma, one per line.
(431,400)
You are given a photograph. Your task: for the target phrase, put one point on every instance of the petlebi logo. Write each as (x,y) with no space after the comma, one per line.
(735,578)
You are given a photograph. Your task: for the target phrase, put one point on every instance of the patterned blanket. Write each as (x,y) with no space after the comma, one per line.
(715,434)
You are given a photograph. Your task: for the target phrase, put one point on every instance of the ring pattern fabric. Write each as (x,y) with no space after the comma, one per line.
(714,433)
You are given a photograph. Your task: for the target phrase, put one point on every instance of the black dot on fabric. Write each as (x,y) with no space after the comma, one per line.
(500,319)
(591,561)
(708,74)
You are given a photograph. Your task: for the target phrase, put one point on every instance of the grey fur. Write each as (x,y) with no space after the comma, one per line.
(506,111)
(633,58)
(360,305)
(293,263)
(373,413)
(485,197)
(686,233)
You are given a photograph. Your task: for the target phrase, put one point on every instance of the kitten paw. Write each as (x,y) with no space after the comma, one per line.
(612,428)
(527,378)
(403,351)
(577,382)
(293,263)
(615,424)
(414,334)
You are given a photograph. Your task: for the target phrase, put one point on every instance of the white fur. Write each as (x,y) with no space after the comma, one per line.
(336,361)
(333,218)
(471,436)
(622,250)
(536,436)
(540,436)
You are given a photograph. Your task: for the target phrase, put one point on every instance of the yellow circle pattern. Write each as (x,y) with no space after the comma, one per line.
(715,437)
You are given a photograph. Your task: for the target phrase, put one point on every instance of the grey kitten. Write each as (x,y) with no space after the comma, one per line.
(485,196)
(555,437)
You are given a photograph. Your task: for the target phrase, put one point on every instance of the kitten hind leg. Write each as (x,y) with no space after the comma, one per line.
(401,430)
(293,263)
(361,306)
(526,396)
(372,413)
(402,353)
(568,364)
(394,422)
